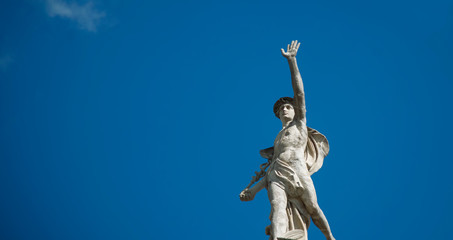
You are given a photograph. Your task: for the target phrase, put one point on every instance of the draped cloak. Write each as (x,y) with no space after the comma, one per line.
(316,150)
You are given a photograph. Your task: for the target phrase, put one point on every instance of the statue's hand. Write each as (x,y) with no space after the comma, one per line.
(247,195)
(291,51)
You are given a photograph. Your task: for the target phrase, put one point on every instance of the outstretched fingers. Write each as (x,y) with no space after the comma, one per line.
(295,45)
(291,49)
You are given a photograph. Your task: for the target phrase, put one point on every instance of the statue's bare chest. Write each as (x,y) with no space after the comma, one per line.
(292,136)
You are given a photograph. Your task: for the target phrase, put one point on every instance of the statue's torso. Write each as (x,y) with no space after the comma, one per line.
(289,168)
(290,143)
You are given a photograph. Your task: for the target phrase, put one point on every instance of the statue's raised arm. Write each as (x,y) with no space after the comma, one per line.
(296,79)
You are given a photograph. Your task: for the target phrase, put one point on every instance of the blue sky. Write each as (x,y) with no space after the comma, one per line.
(143,119)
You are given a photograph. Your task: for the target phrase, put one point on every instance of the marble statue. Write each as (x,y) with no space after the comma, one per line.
(297,153)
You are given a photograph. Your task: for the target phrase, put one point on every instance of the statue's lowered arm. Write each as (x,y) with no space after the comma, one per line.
(249,193)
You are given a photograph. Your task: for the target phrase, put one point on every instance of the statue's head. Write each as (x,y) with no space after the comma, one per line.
(284,108)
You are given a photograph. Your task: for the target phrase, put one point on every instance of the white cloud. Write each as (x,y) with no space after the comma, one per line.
(86,15)
(5,61)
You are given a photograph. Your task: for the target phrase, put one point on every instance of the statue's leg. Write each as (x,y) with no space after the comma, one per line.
(279,217)
(311,203)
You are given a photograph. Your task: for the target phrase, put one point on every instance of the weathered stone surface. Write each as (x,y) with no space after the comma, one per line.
(297,153)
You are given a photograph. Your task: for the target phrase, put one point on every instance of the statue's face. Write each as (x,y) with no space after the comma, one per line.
(286,111)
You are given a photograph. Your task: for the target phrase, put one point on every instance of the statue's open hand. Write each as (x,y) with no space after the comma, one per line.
(247,195)
(291,50)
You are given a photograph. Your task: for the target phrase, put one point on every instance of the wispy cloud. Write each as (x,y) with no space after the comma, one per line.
(85,15)
(5,61)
